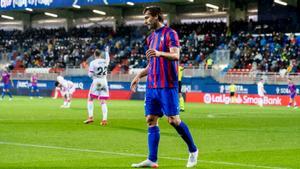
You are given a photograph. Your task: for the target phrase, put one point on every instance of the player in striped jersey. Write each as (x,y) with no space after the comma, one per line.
(161,96)
(33,86)
(293,93)
(7,84)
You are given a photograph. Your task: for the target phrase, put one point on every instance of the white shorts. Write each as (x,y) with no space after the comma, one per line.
(99,89)
(68,91)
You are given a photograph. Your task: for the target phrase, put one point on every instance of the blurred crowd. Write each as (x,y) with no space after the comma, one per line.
(58,48)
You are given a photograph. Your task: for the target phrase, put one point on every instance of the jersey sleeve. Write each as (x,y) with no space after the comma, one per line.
(173,40)
(107,58)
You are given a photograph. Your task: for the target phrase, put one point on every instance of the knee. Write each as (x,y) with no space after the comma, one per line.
(174,121)
(151,121)
(103,102)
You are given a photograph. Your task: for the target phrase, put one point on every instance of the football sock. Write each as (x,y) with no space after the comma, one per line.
(185,134)
(37,93)
(104,111)
(181,103)
(3,94)
(153,141)
(90,108)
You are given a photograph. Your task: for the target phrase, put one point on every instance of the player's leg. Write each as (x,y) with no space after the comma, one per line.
(293,97)
(183,130)
(3,93)
(152,113)
(90,108)
(170,108)
(290,102)
(56,91)
(9,94)
(37,92)
(31,94)
(104,112)
(70,96)
(261,101)
(181,100)
(69,99)
(104,95)
(232,97)
(65,97)
(153,142)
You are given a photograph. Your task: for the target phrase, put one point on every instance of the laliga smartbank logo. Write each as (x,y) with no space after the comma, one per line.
(209,98)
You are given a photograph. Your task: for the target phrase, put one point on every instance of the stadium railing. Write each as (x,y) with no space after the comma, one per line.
(237,77)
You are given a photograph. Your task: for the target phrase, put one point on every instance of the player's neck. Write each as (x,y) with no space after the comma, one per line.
(159,25)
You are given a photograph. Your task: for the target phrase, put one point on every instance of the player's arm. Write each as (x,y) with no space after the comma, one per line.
(107,58)
(137,78)
(172,55)
(12,83)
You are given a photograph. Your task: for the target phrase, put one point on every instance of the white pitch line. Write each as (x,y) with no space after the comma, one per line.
(136,155)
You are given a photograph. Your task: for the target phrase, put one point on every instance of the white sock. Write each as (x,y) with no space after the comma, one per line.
(90,108)
(104,111)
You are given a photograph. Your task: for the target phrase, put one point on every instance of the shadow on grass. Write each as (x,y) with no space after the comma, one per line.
(139,130)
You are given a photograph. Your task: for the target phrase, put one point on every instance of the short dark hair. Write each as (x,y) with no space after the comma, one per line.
(56,83)
(97,53)
(155,11)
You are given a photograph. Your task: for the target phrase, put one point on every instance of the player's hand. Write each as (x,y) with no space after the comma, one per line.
(134,83)
(152,53)
(107,49)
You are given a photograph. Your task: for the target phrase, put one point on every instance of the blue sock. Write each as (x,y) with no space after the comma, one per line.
(9,94)
(153,140)
(31,94)
(37,93)
(3,94)
(184,132)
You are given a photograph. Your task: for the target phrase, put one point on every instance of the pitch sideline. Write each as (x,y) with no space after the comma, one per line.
(135,155)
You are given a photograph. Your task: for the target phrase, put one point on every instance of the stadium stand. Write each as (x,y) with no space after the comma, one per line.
(58,48)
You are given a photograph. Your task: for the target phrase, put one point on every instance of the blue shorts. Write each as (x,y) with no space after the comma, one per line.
(293,95)
(6,86)
(34,88)
(162,101)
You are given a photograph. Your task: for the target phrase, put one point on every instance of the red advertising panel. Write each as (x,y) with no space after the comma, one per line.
(217,98)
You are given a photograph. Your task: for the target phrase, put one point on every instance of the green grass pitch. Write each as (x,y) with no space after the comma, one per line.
(39,134)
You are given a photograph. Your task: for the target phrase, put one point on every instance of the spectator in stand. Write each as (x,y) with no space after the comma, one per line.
(59,48)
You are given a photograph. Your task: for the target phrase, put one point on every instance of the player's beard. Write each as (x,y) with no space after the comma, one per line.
(153,26)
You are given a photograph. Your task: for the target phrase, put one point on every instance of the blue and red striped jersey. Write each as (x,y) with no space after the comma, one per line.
(162,73)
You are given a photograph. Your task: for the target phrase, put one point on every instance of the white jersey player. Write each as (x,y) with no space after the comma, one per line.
(99,87)
(67,88)
(261,92)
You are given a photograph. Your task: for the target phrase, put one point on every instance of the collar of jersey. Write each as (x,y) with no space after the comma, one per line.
(158,30)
